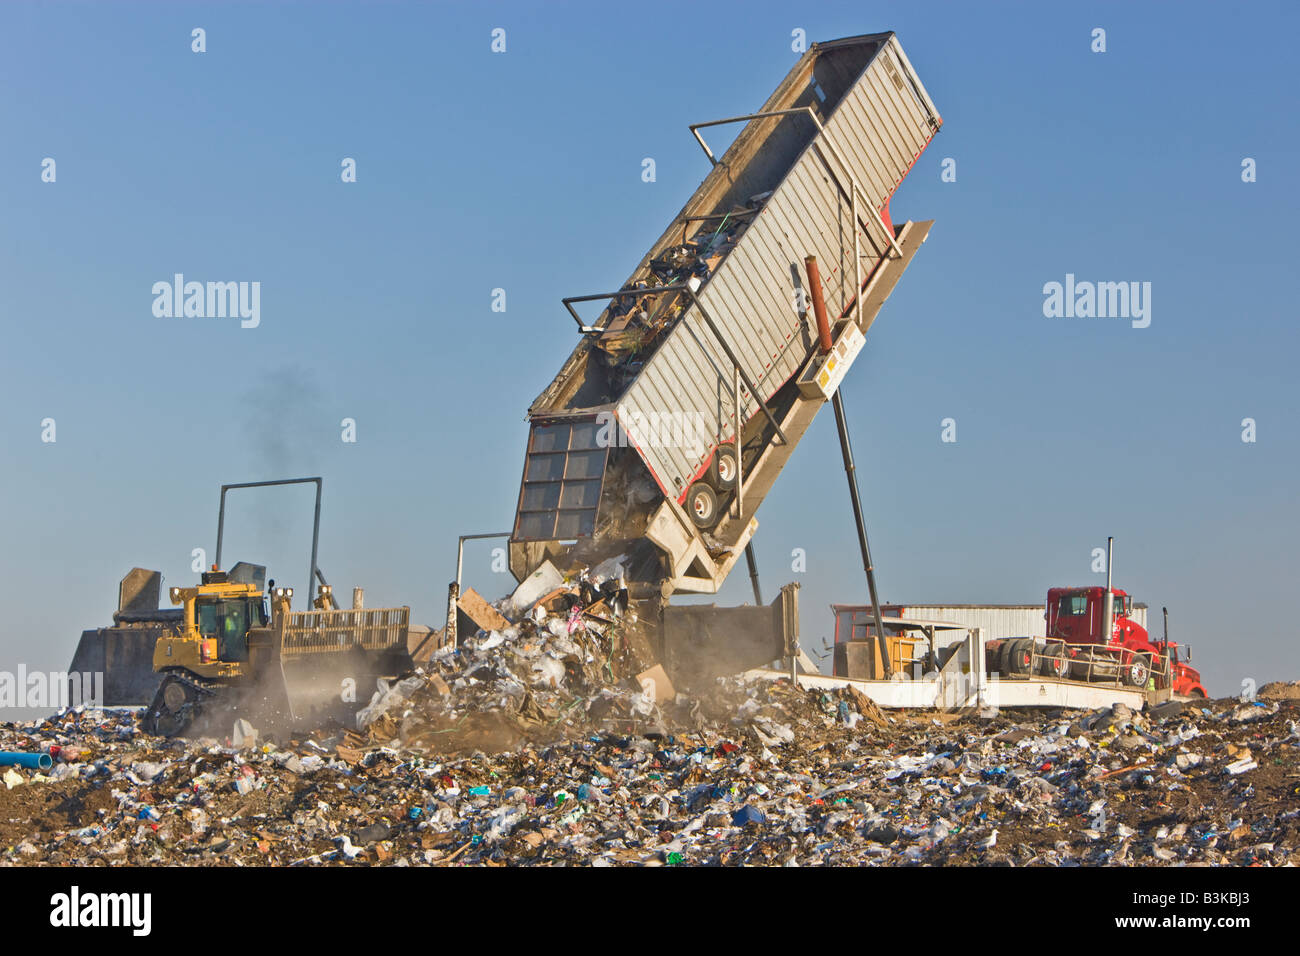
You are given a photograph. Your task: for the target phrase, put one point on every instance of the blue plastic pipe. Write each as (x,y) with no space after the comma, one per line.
(30,761)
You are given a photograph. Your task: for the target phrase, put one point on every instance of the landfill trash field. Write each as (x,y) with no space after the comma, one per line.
(537,745)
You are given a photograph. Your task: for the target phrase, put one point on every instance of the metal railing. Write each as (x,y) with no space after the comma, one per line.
(332,632)
(1093,664)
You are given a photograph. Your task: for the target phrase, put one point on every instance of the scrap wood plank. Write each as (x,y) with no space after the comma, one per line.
(488,618)
(1140,765)
(868,707)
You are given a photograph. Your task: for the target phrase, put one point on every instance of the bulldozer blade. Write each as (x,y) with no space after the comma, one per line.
(335,686)
(331,660)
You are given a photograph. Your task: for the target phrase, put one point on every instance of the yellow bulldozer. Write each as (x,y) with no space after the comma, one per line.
(277,665)
(273,664)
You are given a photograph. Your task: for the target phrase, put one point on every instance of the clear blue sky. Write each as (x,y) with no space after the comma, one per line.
(522,171)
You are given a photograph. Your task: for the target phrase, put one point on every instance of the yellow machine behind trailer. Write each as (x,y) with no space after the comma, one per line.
(281,665)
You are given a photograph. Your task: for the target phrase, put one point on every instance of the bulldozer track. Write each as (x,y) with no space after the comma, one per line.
(203,687)
(160,720)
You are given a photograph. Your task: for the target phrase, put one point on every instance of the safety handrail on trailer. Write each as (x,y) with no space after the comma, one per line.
(597,296)
(1093,657)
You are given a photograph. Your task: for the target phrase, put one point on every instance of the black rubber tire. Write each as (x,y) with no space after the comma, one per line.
(702,505)
(999,663)
(1019,658)
(724,469)
(1137,671)
(1056,660)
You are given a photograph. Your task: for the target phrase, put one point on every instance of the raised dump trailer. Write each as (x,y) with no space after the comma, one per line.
(712,336)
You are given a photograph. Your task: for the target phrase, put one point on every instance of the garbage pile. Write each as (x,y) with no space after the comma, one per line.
(753,773)
(547,736)
(559,652)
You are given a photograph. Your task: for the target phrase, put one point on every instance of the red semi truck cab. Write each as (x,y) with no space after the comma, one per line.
(1075,616)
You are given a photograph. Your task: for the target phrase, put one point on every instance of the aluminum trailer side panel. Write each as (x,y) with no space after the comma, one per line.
(747,166)
(871,138)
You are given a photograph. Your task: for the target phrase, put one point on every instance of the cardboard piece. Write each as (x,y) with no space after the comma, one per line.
(868,708)
(599,611)
(656,683)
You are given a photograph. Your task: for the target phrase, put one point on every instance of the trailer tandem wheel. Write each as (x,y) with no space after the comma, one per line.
(725,468)
(702,505)
(1019,656)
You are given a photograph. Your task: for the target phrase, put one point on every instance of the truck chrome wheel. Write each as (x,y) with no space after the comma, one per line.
(1138,671)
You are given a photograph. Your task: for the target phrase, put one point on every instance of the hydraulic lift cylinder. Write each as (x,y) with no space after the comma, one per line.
(841,423)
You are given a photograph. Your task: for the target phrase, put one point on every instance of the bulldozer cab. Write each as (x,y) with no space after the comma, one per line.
(228,620)
(229,645)
(220,620)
